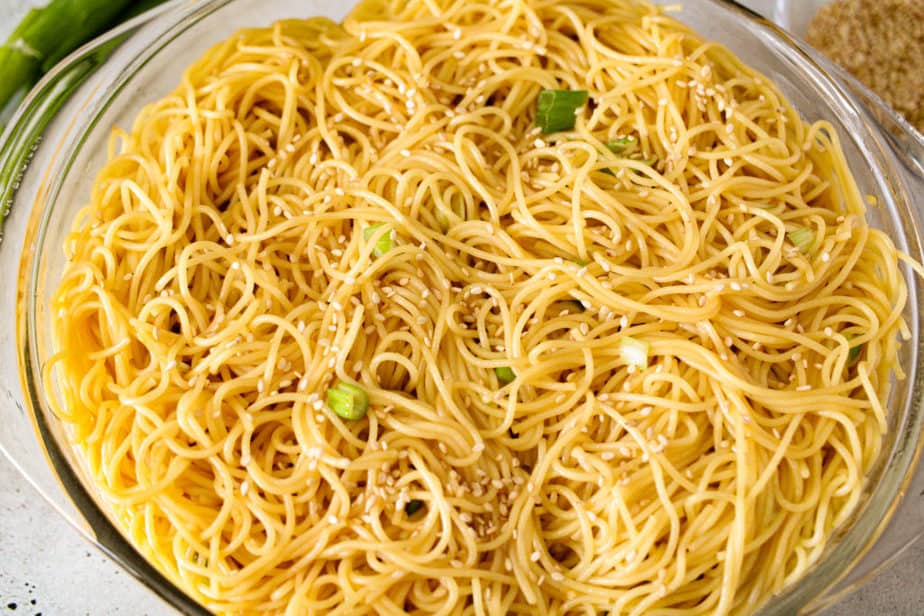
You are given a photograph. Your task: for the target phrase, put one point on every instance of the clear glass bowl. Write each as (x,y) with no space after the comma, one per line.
(55,144)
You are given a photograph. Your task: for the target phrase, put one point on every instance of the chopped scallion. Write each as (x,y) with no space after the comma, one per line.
(385,241)
(555,109)
(634,352)
(802,238)
(348,401)
(623,145)
(505,374)
(413,507)
(854,354)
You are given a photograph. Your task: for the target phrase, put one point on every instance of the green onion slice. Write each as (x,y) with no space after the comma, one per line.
(623,145)
(634,352)
(505,374)
(555,109)
(854,354)
(385,241)
(413,507)
(348,401)
(802,238)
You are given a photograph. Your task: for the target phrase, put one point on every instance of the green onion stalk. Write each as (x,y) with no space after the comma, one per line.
(47,34)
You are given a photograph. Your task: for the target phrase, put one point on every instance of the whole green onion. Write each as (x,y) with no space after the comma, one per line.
(47,34)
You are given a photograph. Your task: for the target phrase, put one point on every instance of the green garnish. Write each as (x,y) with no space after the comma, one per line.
(582,262)
(348,401)
(634,352)
(621,145)
(802,238)
(505,374)
(854,354)
(555,109)
(413,507)
(385,241)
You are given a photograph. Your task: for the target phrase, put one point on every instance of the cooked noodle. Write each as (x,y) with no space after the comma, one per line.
(226,273)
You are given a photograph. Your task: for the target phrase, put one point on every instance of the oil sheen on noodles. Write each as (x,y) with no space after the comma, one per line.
(647,378)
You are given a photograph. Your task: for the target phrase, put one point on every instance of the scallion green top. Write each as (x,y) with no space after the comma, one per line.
(555,109)
(505,374)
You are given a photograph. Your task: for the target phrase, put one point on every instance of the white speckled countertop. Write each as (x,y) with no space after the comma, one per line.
(47,569)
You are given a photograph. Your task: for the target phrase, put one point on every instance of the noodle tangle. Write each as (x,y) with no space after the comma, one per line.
(638,366)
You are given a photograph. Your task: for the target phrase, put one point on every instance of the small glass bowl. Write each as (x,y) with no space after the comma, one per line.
(56,143)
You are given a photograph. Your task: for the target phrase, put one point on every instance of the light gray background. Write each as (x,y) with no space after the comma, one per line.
(47,568)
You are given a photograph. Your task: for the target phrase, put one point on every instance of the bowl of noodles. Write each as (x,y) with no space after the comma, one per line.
(503,306)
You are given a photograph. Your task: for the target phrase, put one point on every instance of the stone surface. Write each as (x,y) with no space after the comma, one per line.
(47,568)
